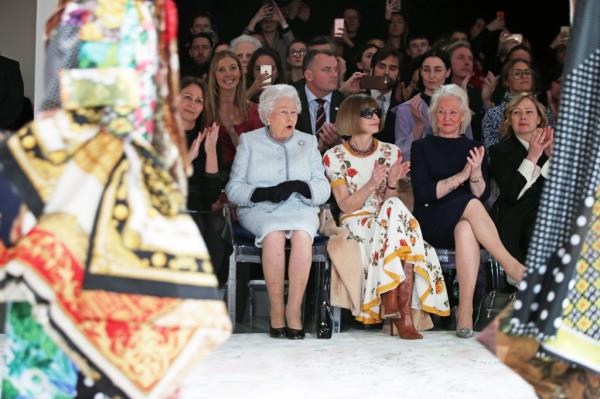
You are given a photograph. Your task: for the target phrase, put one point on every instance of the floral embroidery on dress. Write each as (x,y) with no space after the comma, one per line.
(388,235)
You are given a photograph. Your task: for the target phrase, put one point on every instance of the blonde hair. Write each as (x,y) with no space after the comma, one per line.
(348,116)
(212,97)
(450,90)
(506,129)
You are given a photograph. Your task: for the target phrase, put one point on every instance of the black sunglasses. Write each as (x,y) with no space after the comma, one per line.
(368,113)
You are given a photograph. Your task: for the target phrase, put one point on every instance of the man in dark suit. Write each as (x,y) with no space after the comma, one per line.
(11,93)
(386,62)
(319,97)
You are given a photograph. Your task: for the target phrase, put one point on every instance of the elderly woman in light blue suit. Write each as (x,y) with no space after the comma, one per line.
(278,182)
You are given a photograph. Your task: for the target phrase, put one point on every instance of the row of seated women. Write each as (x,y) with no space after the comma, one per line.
(278,182)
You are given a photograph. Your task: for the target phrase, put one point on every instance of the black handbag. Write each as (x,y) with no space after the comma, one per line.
(491,305)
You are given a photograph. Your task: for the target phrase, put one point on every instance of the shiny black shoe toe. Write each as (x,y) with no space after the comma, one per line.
(295,334)
(277,332)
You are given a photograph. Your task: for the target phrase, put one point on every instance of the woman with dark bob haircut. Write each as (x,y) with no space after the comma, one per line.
(398,265)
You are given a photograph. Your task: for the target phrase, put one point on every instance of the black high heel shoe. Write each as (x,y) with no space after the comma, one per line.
(295,334)
(280,332)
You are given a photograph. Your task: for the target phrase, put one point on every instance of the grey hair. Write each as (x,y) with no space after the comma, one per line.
(272,94)
(450,48)
(244,39)
(450,90)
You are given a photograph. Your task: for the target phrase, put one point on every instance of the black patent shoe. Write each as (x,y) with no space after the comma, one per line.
(277,332)
(295,334)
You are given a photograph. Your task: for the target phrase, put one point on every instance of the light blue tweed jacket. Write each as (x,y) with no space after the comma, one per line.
(261,161)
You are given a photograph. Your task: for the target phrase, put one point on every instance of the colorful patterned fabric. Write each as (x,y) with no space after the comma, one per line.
(36,367)
(388,235)
(117,273)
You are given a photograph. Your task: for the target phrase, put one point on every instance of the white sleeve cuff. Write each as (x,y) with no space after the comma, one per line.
(546,169)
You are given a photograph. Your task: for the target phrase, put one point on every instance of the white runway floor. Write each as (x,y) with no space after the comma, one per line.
(354,364)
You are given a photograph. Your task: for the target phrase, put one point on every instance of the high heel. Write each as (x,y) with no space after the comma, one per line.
(277,332)
(462,332)
(292,333)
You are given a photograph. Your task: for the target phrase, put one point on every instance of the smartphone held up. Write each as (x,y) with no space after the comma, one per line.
(267,70)
(381,83)
(338,28)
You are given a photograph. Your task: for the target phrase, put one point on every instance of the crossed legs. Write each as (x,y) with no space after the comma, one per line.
(476,227)
(273,262)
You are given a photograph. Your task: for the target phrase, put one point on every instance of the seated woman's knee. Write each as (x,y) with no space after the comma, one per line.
(463,230)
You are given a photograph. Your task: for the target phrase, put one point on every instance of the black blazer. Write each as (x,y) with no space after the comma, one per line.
(514,217)
(388,133)
(11,93)
(303,123)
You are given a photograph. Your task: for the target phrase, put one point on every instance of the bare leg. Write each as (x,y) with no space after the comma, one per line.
(273,263)
(467,267)
(299,269)
(485,230)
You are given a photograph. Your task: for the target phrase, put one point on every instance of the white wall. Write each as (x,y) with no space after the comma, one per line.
(22,25)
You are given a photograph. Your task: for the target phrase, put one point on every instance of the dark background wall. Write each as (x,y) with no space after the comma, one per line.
(430,17)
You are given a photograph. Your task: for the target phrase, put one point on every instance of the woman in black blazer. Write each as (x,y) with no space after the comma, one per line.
(519,165)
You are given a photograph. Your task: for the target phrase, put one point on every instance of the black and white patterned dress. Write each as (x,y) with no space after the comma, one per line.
(559,300)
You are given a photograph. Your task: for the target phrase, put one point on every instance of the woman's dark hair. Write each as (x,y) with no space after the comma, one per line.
(193,80)
(437,53)
(275,56)
(358,55)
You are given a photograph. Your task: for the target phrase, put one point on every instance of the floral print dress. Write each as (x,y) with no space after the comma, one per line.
(388,235)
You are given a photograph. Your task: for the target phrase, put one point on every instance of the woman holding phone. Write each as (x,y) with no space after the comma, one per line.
(265,68)
(398,264)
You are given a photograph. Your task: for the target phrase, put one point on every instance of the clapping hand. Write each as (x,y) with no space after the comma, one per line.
(398,170)
(487,89)
(475,159)
(328,135)
(549,141)
(415,111)
(377,176)
(537,145)
(211,135)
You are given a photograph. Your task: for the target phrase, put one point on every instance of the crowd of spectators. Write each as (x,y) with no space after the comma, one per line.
(400,69)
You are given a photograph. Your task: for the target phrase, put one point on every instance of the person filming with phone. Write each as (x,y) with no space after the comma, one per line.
(269,17)
(385,69)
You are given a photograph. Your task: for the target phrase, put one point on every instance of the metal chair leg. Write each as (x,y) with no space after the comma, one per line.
(232,289)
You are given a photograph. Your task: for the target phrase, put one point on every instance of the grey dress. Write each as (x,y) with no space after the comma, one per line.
(261,161)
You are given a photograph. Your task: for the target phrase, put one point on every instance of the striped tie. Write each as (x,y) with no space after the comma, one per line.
(320,118)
